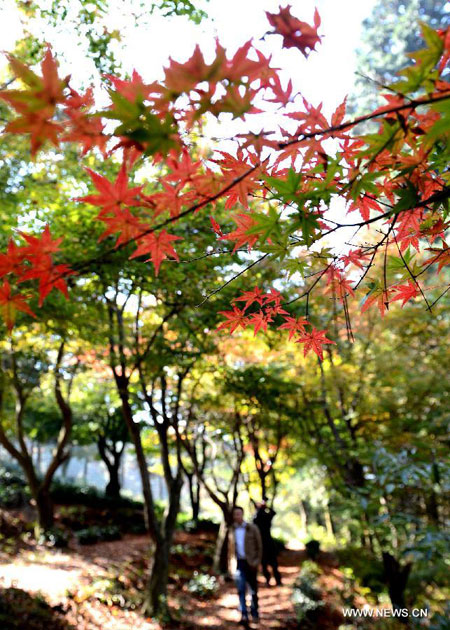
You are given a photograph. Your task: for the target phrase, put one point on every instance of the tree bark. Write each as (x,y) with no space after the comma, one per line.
(396,577)
(221,562)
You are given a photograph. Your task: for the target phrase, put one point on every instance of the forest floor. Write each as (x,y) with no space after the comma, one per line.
(73,583)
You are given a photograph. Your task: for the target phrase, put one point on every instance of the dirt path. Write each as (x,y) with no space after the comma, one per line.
(53,573)
(276,610)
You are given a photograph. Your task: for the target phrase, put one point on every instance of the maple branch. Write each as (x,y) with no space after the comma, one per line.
(414,279)
(438,298)
(347,125)
(240,273)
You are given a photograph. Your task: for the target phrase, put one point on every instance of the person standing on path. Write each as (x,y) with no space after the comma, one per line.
(263,520)
(248,554)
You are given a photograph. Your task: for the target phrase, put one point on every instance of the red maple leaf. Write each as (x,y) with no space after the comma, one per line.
(295,325)
(216,227)
(240,235)
(249,297)
(158,246)
(441,256)
(36,105)
(112,196)
(378,298)
(10,304)
(83,127)
(405,292)
(354,257)
(11,262)
(41,246)
(259,320)
(295,33)
(364,204)
(314,341)
(124,223)
(233,168)
(234,319)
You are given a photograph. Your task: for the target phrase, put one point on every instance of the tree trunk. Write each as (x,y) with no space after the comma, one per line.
(41,497)
(155,603)
(45,509)
(396,577)
(221,562)
(112,489)
(194,496)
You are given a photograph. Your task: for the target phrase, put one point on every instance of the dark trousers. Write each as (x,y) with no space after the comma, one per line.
(270,560)
(246,576)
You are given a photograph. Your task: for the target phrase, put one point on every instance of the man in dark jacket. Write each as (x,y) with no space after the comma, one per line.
(248,552)
(263,520)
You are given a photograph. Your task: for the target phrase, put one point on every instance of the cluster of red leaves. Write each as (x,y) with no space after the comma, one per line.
(371,173)
(33,261)
(261,309)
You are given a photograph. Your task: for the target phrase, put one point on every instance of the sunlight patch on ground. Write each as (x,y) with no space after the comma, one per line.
(52,574)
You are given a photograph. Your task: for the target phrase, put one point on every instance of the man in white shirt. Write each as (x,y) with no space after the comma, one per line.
(248,551)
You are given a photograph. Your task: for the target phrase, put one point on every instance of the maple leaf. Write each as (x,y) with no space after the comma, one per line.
(158,246)
(295,325)
(10,304)
(441,256)
(11,262)
(338,284)
(240,236)
(215,226)
(314,341)
(50,277)
(295,33)
(354,257)
(233,168)
(273,296)
(281,95)
(405,292)
(249,297)
(260,321)
(338,115)
(36,105)
(183,77)
(171,199)
(123,222)
(43,246)
(364,204)
(378,298)
(112,195)
(234,319)
(83,127)
(132,90)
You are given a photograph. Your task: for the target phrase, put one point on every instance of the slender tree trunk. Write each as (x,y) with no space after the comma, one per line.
(45,508)
(112,489)
(221,563)
(194,496)
(396,577)
(41,496)
(155,602)
(156,596)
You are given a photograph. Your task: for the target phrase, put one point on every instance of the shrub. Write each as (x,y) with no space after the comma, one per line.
(306,595)
(72,494)
(55,537)
(95,534)
(367,568)
(203,585)
(13,489)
